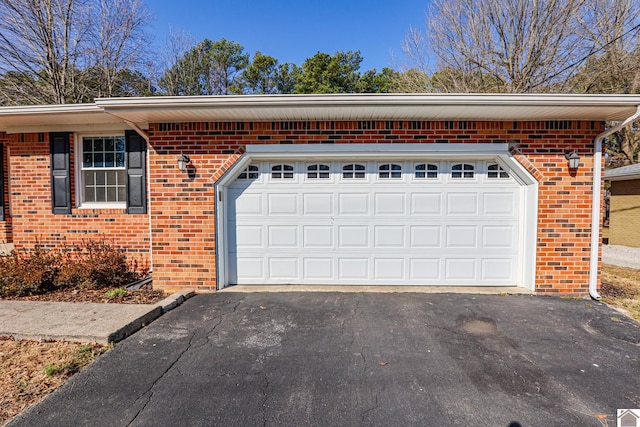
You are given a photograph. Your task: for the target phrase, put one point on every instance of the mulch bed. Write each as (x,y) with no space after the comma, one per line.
(140,296)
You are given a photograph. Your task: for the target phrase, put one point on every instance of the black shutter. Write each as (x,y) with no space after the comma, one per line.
(60,173)
(2,218)
(136,173)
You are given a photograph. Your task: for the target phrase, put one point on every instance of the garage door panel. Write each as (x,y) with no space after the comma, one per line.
(426,236)
(425,270)
(353,269)
(374,231)
(283,236)
(317,204)
(389,269)
(353,236)
(389,204)
(426,204)
(462,204)
(498,236)
(318,270)
(245,204)
(462,236)
(317,236)
(389,236)
(353,203)
(282,204)
(497,269)
(499,204)
(461,269)
(248,236)
(283,268)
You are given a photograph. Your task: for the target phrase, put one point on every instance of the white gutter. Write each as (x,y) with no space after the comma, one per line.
(595,208)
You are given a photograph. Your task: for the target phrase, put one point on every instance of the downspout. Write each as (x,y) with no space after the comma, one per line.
(595,208)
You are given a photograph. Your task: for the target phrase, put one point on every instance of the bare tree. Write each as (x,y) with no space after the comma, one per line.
(118,41)
(498,46)
(59,51)
(41,42)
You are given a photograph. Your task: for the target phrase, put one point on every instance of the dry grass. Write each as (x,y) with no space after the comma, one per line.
(29,370)
(621,288)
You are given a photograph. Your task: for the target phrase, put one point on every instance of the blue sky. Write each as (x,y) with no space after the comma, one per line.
(293,30)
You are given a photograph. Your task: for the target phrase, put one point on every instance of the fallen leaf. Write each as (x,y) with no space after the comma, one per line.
(382,363)
(601,416)
(262,307)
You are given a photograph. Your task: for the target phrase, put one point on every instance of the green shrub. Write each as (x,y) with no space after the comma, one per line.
(91,264)
(115,293)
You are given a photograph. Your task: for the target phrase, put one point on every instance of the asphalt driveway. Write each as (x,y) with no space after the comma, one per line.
(328,359)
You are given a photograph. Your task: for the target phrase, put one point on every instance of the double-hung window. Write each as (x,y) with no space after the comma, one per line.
(103,172)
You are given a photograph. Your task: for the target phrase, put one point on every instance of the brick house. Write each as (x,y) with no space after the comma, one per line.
(453,190)
(624,205)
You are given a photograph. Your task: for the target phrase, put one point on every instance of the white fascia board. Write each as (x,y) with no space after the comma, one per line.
(339,100)
(622,178)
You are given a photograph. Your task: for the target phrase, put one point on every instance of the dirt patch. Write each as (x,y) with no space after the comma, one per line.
(30,370)
(621,288)
(107,295)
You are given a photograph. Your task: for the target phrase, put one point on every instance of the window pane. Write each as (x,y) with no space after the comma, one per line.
(109,145)
(88,177)
(119,160)
(120,144)
(109,160)
(100,178)
(111,178)
(121,175)
(89,194)
(87,160)
(111,194)
(98,160)
(101,194)
(98,144)
(122,194)
(87,145)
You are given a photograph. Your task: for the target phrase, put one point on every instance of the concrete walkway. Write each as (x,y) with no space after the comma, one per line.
(80,322)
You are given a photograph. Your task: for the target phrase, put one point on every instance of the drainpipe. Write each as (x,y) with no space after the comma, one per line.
(595,208)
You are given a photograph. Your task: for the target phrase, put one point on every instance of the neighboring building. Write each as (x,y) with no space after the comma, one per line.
(454,190)
(624,205)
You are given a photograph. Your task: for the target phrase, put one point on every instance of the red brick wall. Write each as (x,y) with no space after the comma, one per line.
(33,221)
(183,209)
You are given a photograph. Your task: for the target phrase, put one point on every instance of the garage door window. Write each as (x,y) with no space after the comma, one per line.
(251,172)
(353,171)
(318,171)
(495,171)
(282,172)
(390,171)
(462,171)
(429,171)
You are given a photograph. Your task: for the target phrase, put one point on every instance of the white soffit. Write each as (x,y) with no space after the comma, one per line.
(111,112)
(373,107)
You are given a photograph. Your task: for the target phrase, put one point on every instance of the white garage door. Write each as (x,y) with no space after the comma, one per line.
(363,222)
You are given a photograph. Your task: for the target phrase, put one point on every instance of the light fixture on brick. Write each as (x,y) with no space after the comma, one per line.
(574,159)
(183,161)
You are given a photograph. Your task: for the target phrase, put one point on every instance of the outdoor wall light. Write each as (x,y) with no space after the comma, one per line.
(183,161)
(574,159)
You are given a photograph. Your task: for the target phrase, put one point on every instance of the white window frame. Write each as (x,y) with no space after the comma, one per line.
(353,171)
(79,182)
(248,171)
(318,171)
(390,171)
(474,170)
(283,170)
(426,171)
(500,170)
